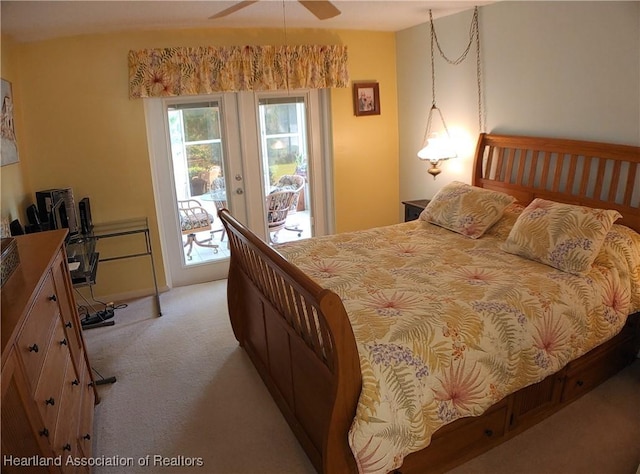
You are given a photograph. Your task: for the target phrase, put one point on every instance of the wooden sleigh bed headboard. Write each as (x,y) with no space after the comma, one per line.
(592,174)
(299,338)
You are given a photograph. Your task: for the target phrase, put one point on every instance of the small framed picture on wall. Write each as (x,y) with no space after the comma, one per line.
(366,98)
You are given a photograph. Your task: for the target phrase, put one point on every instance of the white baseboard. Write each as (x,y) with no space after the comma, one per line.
(126,296)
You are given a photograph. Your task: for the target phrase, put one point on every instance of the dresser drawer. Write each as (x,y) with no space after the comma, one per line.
(67,306)
(35,334)
(49,391)
(85,428)
(18,424)
(65,440)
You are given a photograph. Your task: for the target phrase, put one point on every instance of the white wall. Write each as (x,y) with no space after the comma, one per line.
(558,69)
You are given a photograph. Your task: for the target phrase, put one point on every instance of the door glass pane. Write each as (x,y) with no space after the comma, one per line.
(198,172)
(284,151)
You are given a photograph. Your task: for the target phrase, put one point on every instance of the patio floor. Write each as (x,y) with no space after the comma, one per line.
(298,220)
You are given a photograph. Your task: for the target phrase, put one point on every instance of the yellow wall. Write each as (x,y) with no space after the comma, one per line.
(80,129)
(366,147)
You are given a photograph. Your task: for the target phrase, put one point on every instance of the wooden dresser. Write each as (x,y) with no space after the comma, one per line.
(48,391)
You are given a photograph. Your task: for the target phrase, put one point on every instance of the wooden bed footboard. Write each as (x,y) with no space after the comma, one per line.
(299,338)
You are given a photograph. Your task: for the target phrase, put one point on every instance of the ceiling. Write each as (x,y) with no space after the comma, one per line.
(28,20)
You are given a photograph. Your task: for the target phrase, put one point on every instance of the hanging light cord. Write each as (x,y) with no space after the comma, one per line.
(474,32)
(434,107)
(433,69)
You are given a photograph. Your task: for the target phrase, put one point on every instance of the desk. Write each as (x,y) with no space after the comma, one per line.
(82,249)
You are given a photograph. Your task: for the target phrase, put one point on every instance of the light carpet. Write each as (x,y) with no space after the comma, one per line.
(187,394)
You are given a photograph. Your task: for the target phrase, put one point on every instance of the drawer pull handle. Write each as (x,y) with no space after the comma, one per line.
(53,298)
(75,382)
(67,447)
(34,348)
(488,433)
(87,437)
(63,342)
(580,383)
(69,325)
(44,432)
(51,401)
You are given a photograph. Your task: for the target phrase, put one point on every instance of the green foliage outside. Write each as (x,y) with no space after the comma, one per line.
(202,124)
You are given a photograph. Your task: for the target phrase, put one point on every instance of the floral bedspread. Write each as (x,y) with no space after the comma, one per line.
(446,326)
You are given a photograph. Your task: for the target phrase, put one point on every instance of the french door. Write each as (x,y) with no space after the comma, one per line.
(232,150)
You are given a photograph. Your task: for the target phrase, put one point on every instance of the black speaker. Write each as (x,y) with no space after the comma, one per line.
(86,224)
(33,216)
(16,228)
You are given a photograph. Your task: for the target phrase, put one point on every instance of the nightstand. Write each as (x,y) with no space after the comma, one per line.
(412,209)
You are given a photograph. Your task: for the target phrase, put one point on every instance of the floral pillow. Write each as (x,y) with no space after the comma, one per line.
(564,236)
(466,209)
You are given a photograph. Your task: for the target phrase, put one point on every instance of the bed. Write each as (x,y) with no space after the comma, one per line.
(305,329)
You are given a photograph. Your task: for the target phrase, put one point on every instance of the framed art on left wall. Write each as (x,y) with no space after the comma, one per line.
(8,147)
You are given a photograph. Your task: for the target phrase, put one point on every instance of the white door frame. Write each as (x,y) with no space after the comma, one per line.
(319,161)
(245,191)
(176,272)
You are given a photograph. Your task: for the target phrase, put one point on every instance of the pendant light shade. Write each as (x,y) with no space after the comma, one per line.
(437,144)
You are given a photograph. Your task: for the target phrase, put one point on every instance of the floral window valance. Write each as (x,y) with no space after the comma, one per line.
(203,70)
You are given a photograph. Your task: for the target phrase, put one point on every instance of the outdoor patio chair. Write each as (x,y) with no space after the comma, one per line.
(195,219)
(278,205)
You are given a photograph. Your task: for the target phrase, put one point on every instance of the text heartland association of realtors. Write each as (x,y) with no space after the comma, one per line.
(150,460)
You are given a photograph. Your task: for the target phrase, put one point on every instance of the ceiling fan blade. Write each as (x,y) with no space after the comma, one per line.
(232,9)
(322,9)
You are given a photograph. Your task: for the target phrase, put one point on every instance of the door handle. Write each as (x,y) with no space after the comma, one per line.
(239,191)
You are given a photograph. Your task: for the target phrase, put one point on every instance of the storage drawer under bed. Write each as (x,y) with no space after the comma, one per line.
(598,365)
